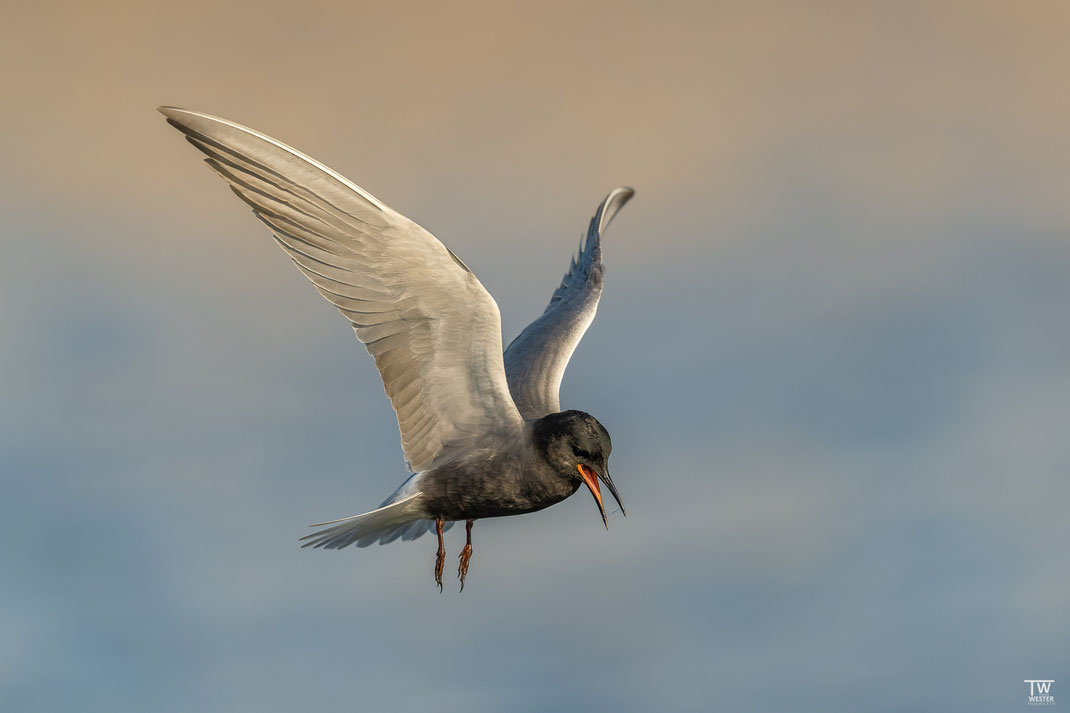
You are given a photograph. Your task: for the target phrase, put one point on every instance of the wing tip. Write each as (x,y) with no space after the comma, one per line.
(186,120)
(174,112)
(611,205)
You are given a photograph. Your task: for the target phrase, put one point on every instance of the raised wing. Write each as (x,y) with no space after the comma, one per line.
(433,329)
(535,361)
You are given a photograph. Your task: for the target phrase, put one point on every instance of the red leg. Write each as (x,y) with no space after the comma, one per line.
(466,553)
(440,558)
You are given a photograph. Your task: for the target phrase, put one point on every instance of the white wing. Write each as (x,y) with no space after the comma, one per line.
(433,329)
(535,361)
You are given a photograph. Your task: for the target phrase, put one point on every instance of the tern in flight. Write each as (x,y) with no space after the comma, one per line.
(483,433)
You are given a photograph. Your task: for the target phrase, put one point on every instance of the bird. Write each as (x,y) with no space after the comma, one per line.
(482,429)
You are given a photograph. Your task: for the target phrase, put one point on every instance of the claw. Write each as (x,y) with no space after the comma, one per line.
(462,569)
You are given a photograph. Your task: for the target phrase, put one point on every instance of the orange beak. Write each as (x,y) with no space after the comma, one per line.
(591,480)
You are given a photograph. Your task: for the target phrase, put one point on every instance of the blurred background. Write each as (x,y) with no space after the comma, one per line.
(833,353)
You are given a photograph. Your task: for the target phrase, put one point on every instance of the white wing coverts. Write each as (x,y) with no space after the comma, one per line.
(432,328)
(535,361)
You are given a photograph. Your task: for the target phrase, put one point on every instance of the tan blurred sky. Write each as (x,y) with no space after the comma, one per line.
(434,105)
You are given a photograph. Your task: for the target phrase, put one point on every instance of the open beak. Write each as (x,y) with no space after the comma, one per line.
(590,478)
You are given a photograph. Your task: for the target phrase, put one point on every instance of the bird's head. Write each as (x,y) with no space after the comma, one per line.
(578,448)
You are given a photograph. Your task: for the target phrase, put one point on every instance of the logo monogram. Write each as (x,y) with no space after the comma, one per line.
(1040,692)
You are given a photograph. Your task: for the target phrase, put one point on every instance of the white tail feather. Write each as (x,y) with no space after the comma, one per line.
(386,524)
